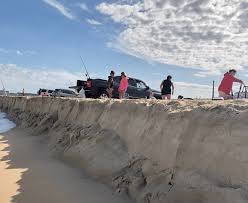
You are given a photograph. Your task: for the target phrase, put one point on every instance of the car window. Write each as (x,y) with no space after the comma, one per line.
(117,79)
(68,92)
(141,85)
(132,82)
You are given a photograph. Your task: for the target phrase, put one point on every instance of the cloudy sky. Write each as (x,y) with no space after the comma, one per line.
(195,41)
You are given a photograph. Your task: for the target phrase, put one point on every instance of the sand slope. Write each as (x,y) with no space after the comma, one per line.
(30,175)
(152,151)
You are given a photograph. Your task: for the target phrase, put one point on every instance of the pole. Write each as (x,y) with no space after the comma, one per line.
(240,89)
(213,91)
(245,88)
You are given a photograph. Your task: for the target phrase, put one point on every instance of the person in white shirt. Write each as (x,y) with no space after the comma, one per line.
(81,93)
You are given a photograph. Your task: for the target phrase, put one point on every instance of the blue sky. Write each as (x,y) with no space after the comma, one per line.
(41,41)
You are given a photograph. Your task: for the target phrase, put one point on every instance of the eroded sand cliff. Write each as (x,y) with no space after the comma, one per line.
(153,151)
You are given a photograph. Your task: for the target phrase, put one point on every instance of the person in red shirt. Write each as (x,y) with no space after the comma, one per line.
(123,85)
(225,88)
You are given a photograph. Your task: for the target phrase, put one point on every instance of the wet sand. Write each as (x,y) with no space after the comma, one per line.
(29,174)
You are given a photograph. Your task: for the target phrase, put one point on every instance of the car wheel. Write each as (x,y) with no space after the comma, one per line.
(127,96)
(103,95)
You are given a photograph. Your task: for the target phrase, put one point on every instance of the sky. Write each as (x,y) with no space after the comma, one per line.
(195,41)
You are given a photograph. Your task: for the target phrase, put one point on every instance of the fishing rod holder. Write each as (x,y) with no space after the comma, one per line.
(243,90)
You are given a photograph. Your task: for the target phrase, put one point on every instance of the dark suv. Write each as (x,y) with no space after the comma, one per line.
(96,88)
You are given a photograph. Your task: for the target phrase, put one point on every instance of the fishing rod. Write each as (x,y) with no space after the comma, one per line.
(3,85)
(87,73)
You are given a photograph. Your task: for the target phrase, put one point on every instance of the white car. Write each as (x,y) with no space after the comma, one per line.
(64,93)
(45,92)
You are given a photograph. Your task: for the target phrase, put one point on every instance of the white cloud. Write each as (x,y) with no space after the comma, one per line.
(31,79)
(209,35)
(187,89)
(4,51)
(29,52)
(192,90)
(93,22)
(84,7)
(204,74)
(61,8)
(17,52)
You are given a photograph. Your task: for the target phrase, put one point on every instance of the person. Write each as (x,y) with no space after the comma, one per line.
(151,95)
(180,97)
(167,88)
(39,91)
(110,87)
(225,88)
(81,93)
(123,85)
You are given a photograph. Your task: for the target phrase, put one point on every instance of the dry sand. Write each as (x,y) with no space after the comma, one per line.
(29,174)
(151,151)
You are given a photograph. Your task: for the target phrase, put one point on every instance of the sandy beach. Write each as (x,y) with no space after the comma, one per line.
(30,174)
(149,151)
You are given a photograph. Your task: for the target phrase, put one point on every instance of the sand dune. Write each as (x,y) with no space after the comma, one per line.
(152,151)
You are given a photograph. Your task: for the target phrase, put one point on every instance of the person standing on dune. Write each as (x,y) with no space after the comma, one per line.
(110,87)
(225,88)
(167,88)
(123,85)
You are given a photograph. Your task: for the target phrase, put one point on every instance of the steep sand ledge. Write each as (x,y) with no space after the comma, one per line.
(187,152)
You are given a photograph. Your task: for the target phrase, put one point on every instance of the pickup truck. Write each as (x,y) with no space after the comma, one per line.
(96,88)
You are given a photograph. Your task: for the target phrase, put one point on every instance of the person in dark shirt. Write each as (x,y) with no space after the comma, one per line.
(167,88)
(180,97)
(110,87)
